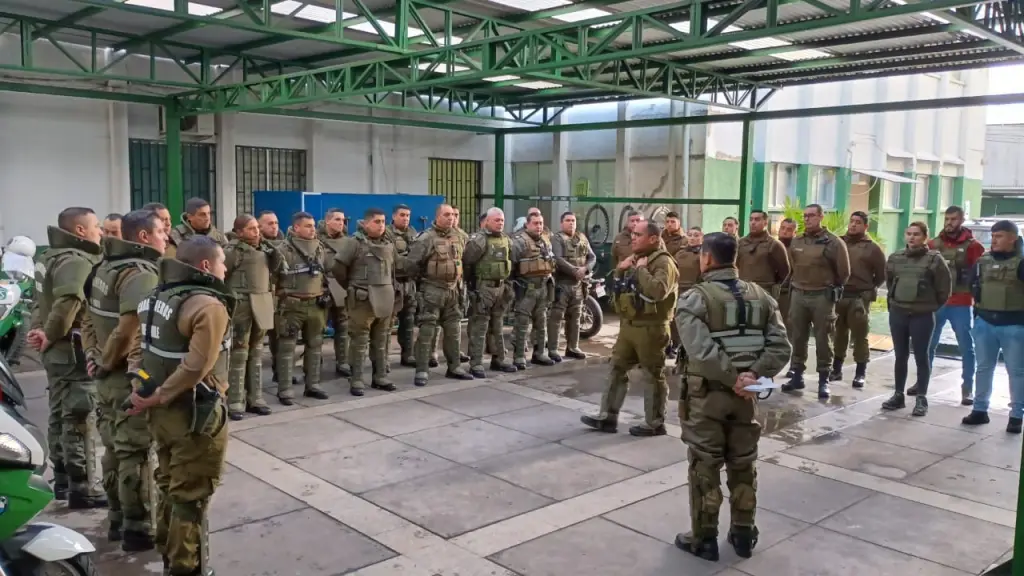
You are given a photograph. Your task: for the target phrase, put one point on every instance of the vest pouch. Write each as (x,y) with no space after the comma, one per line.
(997,282)
(443,266)
(907,290)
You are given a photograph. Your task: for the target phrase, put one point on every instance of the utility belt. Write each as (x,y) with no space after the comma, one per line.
(490,283)
(646,322)
(299,297)
(833,293)
(454,284)
(701,385)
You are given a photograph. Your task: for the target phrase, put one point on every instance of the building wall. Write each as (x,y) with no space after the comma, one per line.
(1003,184)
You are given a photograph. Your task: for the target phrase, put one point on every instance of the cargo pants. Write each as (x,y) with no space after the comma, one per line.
(367,336)
(298,317)
(127,468)
(487,306)
(852,323)
(72,422)
(246,365)
(812,308)
(643,346)
(567,306)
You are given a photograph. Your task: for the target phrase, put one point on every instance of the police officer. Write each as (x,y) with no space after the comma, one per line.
(867,273)
(731,226)
(821,267)
(998,288)
(760,258)
(365,266)
(787,231)
(197,220)
(622,245)
(532,265)
(436,260)
(186,335)
(270,231)
(74,251)
(688,265)
(332,236)
(162,212)
(463,238)
(918,284)
(251,262)
(402,235)
(574,262)
(112,225)
(732,335)
(488,264)
(126,276)
(673,235)
(644,295)
(302,303)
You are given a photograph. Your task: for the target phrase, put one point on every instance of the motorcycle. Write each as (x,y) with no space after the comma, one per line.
(31,548)
(592,316)
(17,286)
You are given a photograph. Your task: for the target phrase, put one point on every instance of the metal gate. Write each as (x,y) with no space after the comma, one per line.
(459,182)
(148,172)
(267,169)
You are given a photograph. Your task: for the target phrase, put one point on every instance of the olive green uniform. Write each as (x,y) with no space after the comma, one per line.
(301,286)
(184,231)
(645,298)
(365,267)
(436,259)
(127,274)
(271,334)
(337,312)
(622,246)
(72,394)
(571,253)
(867,273)
(186,338)
(488,264)
(820,261)
(727,327)
(532,263)
(463,238)
(405,294)
(249,270)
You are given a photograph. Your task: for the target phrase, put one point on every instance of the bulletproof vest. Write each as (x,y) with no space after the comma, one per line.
(251,275)
(753,261)
(576,249)
(304,273)
(374,263)
(914,282)
(104,301)
(1001,290)
(956,258)
(737,315)
(402,242)
(496,263)
(163,345)
(810,267)
(633,304)
(444,265)
(688,263)
(65,247)
(536,260)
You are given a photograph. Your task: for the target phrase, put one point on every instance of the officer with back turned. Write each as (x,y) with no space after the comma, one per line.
(126,276)
(574,262)
(402,235)
(644,294)
(732,335)
(365,267)
(488,264)
(186,337)
(821,267)
(301,310)
(74,251)
(251,263)
(332,236)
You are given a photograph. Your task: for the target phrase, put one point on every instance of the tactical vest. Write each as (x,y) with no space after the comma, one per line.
(737,316)
(810,266)
(753,260)
(914,282)
(251,274)
(632,304)
(304,275)
(104,301)
(444,265)
(688,263)
(496,263)
(956,258)
(373,264)
(1001,290)
(536,260)
(576,249)
(54,259)
(402,245)
(163,345)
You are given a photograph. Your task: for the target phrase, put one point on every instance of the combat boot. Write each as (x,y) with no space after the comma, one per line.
(409,361)
(503,366)
(895,402)
(235,415)
(575,353)
(542,359)
(706,548)
(258,409)
(796,382)
(858,377)
(343,370)
(609,425)
(643,430)
(1014,425)
(519,363)
(60,489)
(137,541)
(383,384)
(554,356)
(837,371)
(463,357)
(457,373)
(433,362)
(912,391)
(114,531)
(421,379)
(823,391)
(920,406)
(477,371)
(315,392)
(743,540)
(78,500)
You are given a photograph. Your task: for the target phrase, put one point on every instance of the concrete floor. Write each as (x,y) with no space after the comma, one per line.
(497,477)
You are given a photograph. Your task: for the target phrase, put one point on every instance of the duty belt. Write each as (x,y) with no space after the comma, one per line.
(491,283)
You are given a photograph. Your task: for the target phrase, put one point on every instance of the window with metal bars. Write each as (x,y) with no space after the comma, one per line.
(267,169)
(459,182)
(147,160)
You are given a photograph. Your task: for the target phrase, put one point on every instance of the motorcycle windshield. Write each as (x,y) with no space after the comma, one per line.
(9,388)
(15,264)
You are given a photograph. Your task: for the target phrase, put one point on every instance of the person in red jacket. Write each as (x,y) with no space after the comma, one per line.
(961,252)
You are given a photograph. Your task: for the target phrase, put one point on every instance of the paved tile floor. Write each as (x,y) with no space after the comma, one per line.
(497,477)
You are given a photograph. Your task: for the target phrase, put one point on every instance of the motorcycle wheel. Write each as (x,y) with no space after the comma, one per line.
(591,318)
(81,565)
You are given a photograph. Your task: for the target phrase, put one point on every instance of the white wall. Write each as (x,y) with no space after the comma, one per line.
(1004,152)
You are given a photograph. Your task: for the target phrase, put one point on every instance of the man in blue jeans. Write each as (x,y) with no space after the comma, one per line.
(961,252)
(998,286)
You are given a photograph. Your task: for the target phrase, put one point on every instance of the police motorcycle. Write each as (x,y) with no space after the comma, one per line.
(30,548)
(17,284)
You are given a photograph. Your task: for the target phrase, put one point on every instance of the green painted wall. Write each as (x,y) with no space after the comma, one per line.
(721,181)
(994,206)
(971,199)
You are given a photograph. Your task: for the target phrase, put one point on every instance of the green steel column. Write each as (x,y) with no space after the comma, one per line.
(499,170)
(934,199)
(844,182)
(803,184)
(906,206)
(958,191)
(746,175)
(175,192)
(760,191)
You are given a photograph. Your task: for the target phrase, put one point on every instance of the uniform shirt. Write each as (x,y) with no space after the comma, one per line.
(867,263)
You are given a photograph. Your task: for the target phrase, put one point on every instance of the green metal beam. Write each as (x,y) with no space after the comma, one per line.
(546,54)
(183,27)
(1000,22)
(899,67)
(364,119)
(74,18)
(47,90)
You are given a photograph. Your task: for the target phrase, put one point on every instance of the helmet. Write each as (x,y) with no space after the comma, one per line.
(22,245)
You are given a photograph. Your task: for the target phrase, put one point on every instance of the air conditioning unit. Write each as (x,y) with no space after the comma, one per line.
(192,127)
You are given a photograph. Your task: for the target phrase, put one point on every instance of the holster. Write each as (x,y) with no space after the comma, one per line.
(550,283)
(324,300)
(205,401)
(519,289)
(835,293)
